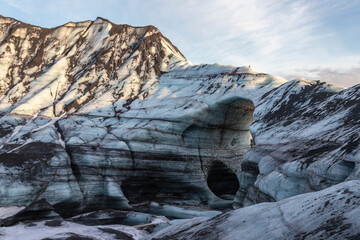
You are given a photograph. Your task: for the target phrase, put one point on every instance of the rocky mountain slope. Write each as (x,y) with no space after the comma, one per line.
(95,115)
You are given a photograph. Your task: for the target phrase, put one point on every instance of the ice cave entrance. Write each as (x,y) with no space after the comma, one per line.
(222,181)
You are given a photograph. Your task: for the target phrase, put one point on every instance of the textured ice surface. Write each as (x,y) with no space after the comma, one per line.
(64,229)
(328,214)
(306,138)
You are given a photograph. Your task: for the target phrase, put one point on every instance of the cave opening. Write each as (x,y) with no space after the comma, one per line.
(214,138)
(139,189)
(222,181)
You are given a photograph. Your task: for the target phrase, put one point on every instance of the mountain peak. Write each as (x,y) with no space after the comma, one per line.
(90,53)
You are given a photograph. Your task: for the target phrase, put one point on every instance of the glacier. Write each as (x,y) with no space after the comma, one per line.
(97,116)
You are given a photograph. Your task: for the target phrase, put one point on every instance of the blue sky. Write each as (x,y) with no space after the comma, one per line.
(318,39)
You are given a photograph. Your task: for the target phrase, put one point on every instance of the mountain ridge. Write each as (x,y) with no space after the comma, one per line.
(37,57)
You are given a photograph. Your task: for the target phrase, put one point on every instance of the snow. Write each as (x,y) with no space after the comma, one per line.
(41,231)
(44,89)
(53,120)
(9,211)
(61,141)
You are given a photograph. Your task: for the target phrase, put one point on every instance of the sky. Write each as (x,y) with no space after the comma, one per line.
(314,39)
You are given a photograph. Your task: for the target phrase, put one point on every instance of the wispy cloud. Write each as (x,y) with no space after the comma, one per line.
(346,77)
(250,28)
(266,34)
(22,6)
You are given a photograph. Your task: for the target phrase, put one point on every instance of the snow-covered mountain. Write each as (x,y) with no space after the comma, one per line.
(95,115)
